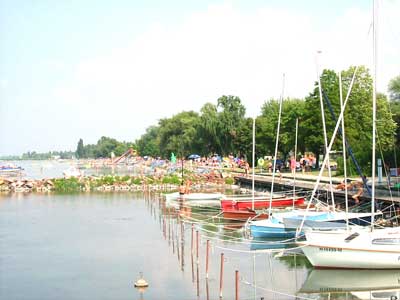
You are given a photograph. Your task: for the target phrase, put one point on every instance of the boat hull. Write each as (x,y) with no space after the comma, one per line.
(271,232)
(194,196)
(243,215)
(328,220)
(271,228)
(244,204)
(341,249)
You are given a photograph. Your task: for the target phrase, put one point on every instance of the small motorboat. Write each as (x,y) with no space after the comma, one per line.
(194,196)
(72,172)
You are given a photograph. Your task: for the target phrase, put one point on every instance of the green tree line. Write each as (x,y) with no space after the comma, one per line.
(223,128)
(102,149)
(33,155)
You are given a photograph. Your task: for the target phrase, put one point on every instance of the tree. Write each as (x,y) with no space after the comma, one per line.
(105,146)
(268,123)
(230,118)
(80,150)
(208,129)
(178,134)
(148,144)
(357,116)
(394,89)
(243,142)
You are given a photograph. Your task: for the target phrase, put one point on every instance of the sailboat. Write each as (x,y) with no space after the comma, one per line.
(355,247)
(274,226)
(244,208)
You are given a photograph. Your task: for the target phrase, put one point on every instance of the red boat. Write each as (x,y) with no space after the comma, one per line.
(241,203)
(243,215)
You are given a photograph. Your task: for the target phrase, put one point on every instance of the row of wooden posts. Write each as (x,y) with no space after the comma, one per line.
(196,248)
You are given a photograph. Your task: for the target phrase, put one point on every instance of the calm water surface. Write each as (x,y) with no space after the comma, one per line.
(39,169)
(93,246)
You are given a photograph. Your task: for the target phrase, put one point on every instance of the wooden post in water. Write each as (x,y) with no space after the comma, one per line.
(182,245)
(172,237)
(207,290)
(236,285)
(191,241)
(198,281)
(207,251)
(197,246)
(221,275)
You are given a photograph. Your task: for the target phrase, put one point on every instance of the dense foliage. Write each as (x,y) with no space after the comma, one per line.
(103,149)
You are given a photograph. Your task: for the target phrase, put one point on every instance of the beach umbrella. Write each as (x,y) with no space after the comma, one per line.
(193,156)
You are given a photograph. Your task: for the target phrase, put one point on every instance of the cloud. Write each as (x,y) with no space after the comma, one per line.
(215,52)
(168,69)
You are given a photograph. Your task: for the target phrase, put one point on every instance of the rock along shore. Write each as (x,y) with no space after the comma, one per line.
(108,183)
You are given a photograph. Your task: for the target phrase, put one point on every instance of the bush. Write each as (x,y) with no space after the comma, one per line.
(68,185)
(229,180)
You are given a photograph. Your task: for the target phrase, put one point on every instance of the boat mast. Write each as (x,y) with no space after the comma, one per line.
(324,128)
(344,152)
(276,145)
(295,159)
(253,158)
(374,34)
(328,150)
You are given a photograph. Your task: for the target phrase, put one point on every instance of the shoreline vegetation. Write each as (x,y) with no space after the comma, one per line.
(112,183)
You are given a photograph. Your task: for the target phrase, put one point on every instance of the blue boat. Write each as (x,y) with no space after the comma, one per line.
(329,220)
(272,227)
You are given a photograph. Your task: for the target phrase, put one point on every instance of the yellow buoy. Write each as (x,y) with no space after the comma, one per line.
(141,283)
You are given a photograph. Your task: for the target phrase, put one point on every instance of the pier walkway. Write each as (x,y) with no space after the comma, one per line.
(262,181)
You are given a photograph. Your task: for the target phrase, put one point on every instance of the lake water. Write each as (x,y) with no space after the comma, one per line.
(93,246)
(39,169)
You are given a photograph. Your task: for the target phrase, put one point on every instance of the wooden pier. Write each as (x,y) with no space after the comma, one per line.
(306,182)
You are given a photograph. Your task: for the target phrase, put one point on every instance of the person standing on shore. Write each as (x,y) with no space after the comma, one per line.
(293,165)
(246,168)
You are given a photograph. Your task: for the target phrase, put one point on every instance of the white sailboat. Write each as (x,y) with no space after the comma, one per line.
(355,247)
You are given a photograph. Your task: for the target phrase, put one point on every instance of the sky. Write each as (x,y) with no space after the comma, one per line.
(86,69)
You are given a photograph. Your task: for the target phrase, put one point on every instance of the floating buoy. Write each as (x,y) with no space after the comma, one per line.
(141,283)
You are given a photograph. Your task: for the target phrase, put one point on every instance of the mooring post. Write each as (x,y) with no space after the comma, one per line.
(236,285)
(169,224)
(197,246)
(191,241)
(221,275)
(207,250)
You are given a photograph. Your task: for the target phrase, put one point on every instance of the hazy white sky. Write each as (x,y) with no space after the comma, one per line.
(85,69)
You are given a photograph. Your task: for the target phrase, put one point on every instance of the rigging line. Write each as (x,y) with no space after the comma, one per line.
(295,160)
(393,139)
(374,56)
(276,144)
(329,147)
(241,240)
(324,127)
(384,167)
(387,176)
(260,251)
(198,222)
(344,152)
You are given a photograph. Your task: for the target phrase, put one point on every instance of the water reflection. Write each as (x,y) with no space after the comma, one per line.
(359,284)
(261,264)
(268,244)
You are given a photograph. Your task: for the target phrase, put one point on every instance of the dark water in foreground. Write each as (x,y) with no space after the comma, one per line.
(93,246)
